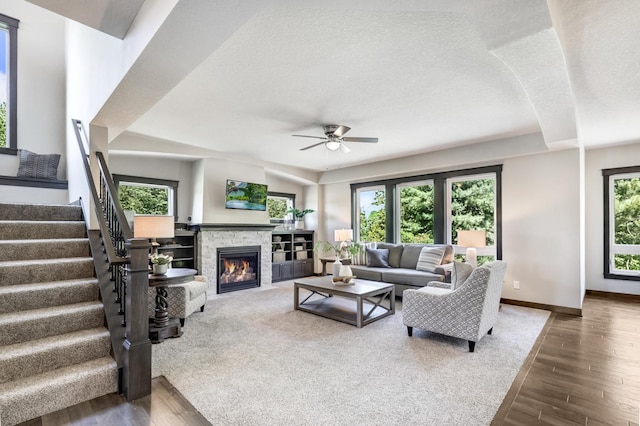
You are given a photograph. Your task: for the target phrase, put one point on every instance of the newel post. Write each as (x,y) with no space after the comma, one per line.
(136,371)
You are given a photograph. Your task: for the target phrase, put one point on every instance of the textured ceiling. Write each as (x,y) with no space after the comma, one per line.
(419,75)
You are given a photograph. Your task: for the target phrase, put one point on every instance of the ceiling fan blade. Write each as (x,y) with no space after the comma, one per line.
(369,140)
(344,148)
(305,136)
(311,146)
(341,130)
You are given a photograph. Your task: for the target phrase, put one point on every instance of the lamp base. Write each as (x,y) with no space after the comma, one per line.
(471,257)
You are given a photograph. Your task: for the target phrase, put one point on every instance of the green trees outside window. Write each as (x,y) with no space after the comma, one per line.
(416,214)
(144,199)
(3,124)
(626,193)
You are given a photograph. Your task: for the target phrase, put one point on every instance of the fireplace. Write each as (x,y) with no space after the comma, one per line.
(239,268)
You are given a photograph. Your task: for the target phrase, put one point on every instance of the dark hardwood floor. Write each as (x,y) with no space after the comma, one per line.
(165,406)
(582,370)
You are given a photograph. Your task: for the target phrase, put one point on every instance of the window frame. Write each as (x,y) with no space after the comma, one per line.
(440,209)
(11,25)
(292,197)
(398,203)
(152,182)
(610,247)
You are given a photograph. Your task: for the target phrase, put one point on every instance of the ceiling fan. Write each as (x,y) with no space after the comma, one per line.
(334,138)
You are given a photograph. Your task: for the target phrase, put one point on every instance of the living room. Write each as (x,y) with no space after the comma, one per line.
(552,215)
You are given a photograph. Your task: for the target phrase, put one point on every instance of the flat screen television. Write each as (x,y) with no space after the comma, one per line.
(246,195)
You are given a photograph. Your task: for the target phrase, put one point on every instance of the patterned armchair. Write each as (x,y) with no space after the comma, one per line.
(468,312)
(183,299)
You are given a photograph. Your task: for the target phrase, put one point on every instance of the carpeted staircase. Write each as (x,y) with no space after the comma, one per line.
(54,347)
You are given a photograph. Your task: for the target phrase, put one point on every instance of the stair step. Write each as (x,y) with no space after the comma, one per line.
(22,211)
(24,297)
(32,397)
(39,356)
(44,229)
(17,327)
(42,270)
(44,249)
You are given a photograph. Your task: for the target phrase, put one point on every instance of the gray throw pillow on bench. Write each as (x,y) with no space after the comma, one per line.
(33,165)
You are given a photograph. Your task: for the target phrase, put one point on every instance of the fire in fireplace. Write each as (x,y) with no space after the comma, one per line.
(239,268)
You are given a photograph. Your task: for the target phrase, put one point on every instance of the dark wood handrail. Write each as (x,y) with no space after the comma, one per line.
(126,272)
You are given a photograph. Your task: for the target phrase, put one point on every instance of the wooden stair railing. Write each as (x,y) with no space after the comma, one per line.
(122,267)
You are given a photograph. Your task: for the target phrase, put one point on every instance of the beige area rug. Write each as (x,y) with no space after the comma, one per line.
(250,359)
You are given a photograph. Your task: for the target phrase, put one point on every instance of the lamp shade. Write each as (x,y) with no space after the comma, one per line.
(476,238)
(151,226)
(343,234)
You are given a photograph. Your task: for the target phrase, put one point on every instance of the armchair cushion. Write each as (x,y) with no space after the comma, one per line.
(459,274)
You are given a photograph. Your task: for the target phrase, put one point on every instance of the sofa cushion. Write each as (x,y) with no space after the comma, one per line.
(410,255)
(395,253)
(409,277)
(378,258)
(368,272)
(459,274)
(430,258)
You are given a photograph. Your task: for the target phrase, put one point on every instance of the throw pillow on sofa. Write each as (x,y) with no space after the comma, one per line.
(395,253)
(430,258)
(378,258)
(459,274)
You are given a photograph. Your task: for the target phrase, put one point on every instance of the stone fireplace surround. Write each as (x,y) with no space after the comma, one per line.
(214,236)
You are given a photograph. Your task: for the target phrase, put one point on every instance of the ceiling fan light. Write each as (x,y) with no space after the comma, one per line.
(333,145)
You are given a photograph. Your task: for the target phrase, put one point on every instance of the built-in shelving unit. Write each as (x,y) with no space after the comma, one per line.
(183,248)
(291,254)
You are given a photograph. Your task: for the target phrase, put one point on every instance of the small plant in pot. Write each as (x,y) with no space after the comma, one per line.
(299,216)
(160,263)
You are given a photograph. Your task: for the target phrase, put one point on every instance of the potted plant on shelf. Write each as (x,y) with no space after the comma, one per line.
(299,216)
(160,263)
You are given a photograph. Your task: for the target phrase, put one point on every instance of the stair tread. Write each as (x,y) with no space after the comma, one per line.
(44,240)
(21,316)
(47,285)
(54,261)
(45,343)
(56,377)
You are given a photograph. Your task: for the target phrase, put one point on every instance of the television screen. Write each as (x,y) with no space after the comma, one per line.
(246,195)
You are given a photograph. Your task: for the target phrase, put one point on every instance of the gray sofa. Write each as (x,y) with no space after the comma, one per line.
(402,272)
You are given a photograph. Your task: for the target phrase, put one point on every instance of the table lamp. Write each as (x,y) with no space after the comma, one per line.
(342,236)
(471,240)
(153,226)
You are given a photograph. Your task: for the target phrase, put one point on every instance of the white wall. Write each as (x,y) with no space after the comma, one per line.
(41,96)
(596,160)
(541,228)
(159,168)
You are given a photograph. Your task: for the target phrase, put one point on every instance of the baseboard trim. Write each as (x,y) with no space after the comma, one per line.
(612,295)
(552,308)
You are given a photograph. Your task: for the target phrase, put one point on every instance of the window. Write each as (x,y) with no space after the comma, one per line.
(147,196)
(471,205)
(8,85)
(277,205)
(622,223)
(415,203)
(432,209)
(372,218)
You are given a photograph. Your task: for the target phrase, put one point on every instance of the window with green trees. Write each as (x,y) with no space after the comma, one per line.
(8,82)
(431,209)
(622,223)
(147,195)
(277,205)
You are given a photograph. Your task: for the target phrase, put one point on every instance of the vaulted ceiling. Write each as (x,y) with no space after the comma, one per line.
(419,75)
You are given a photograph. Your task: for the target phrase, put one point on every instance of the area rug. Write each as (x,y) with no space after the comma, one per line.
(250,359)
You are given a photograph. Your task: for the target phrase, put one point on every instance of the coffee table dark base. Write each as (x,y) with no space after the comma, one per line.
(369,307)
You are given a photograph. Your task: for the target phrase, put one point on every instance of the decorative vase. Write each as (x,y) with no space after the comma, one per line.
(336,267)
(345,271)
(300,224)
(160,269)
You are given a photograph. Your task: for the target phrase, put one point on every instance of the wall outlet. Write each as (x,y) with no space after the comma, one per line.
(516,285)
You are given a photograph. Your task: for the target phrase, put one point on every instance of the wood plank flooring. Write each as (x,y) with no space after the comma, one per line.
(165,406)
(582,370)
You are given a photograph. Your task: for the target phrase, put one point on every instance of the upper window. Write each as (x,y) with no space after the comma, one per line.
(277,205)
(622,223)
(147,196)
(8,78)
